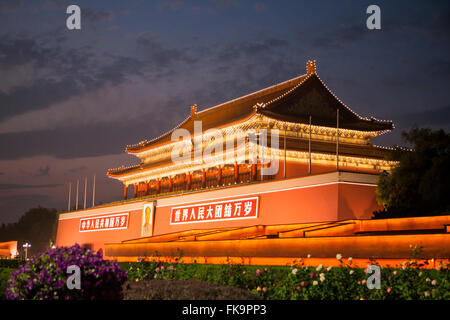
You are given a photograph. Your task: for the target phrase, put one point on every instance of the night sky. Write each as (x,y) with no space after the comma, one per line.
(71,100)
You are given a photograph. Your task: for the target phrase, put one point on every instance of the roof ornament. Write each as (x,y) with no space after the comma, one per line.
(193,110)
(258,106)
(311,67)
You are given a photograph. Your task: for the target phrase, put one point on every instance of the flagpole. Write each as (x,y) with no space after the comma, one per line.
(285,152)
(309,145)
(76,204)
(337,140)
(93,193)
(85,189)
(70,191)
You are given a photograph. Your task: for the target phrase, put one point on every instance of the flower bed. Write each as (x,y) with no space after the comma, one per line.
(42,278)
(407,281)
(46,276)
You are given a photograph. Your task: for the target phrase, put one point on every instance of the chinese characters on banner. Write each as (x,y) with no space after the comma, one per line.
(216,211)
(102,223)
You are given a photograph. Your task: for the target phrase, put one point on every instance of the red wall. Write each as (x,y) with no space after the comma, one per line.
(321,203)
(282,207)
(68,232)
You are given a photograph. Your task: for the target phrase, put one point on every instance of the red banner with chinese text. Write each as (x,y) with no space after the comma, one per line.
(216,211)
(103,223)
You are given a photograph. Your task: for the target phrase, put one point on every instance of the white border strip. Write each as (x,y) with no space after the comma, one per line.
(103,216)
(270,191)
(214,220)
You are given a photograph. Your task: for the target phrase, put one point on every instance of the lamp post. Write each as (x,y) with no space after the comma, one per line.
(26,246)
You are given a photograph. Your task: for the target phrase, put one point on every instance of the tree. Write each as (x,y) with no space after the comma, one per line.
(37,226)
(420,184)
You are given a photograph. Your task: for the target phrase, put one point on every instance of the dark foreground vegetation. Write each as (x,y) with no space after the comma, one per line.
(45,277)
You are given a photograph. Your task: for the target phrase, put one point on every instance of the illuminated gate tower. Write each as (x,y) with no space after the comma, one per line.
(314,128)
(325,185)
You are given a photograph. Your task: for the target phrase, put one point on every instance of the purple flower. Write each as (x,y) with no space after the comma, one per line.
(44,277)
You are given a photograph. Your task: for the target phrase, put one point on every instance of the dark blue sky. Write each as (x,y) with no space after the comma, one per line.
(70,101)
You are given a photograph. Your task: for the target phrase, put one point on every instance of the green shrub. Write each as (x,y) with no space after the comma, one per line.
(4,275)
(11,263)
(346,282)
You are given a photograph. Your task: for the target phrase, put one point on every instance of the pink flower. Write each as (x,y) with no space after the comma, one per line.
(303,283)
(258,272)
(264,289)
(298,288)
(265,269)
(389,290)
(311,275)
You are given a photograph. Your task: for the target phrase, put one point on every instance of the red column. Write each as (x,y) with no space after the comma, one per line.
(236,172)
(204,178)
(135,189)
(254,171)
(147,187)
(125,192)
(158,185)
(170,183)
(219,175)
(189,180)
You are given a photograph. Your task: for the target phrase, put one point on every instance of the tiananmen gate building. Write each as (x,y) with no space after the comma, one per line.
(293,173)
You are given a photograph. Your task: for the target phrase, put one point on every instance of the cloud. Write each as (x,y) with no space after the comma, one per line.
(42,172)
(339,37)
(260,6)
(225,4)
(96,15)
(54,74)
(9,6)
(77,169)
(173,5)
(246,49)
(88,140)
(14,206)
(153,51)
(12,186)
(436,117)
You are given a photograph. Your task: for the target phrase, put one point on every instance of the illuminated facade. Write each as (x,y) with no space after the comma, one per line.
(220,205)
(313,126)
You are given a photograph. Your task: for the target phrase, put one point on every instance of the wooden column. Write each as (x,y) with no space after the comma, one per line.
(170,184)
(125,187)
(135,189)
(147,187)
(158,185)
(236,172)
(254,171)
(219,175)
